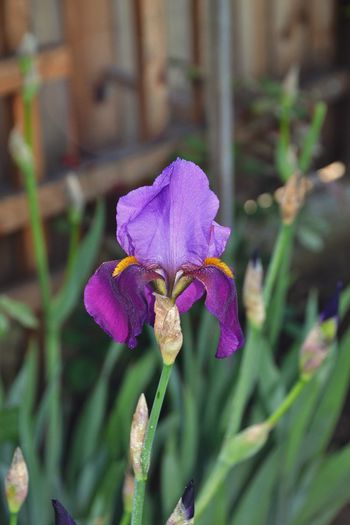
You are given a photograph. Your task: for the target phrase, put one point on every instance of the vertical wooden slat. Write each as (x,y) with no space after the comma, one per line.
(88,26)
(198,46)
(252,33)
(322,27)
(151,61)
(290,34)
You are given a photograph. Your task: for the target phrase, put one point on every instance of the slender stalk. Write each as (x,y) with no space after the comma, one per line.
(283,240)
(13,519)
(74,226)
(125,518)
(53,368)
(140,483)
(288,402)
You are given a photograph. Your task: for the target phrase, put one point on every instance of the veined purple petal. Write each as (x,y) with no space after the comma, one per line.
(221,301)
(62,517)
(189,296)
(170,222)
(121,305)
(218,239)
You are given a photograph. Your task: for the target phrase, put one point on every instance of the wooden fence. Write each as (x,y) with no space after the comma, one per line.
(122,82)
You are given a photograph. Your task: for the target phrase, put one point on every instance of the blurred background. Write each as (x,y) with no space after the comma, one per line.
(125,87)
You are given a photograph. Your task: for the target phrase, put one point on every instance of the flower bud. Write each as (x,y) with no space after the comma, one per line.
(245,444)
(128,491)
(319,340)
(62,517)
(16,482)
(292,197)
(75,196)
(167,328)
(20,151)
(253,293)
(137,434)
(184,511)
(332,172)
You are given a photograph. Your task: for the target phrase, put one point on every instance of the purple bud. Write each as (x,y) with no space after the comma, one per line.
(331,309)
(62,517)
(188,500)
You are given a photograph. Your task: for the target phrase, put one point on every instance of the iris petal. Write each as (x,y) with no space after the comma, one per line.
(189,296)
(171,222)
(221,301)
(121,305)
(218,239)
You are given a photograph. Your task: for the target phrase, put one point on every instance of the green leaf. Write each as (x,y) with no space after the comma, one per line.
(9,424)
(189,442)
(135,382)
(328,490)
(172,479)
(18,311)
(260,490)
(70,294)
(90,423)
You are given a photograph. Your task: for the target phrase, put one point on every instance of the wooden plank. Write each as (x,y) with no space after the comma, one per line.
(127,169)
(52,64)
(151,67)
(90,37)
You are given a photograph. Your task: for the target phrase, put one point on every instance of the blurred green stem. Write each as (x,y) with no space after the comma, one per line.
(13,519)
(53,369)
(74,232)
(38,235)
(140,482)
(288,402)
(125,518)
(284,239)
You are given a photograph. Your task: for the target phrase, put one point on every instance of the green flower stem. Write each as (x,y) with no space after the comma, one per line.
(13,519)
(74,233)
(53,370)
(284,239)
(288,401)
(140,483)
(125,518)
(38,236)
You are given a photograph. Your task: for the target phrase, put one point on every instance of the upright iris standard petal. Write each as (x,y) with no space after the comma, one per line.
(120,305)
(221,301)
(62,517)
(169,223)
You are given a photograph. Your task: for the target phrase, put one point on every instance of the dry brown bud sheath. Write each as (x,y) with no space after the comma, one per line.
(137,434)
(167,328)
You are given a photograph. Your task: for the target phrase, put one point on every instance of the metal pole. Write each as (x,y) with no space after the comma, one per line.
(220,105)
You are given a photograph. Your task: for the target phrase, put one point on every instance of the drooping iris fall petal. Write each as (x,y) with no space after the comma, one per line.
(120,305)
(221,301)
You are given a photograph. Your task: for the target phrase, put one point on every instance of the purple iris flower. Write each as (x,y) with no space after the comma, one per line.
(173,247)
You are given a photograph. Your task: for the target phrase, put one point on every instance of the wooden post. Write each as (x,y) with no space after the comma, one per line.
(151,67)
(89,34)
(220,106)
